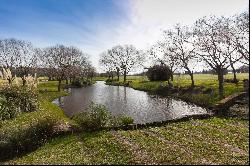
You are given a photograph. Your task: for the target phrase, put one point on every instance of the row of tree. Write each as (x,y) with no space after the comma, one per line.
(56,62)
(219,42)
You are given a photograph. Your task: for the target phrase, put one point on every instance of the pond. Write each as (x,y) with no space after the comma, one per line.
(119,100)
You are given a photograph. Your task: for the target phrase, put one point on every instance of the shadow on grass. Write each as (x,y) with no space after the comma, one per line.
(20,143)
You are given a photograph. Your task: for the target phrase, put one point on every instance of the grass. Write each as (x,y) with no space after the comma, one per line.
(201,80)
(31,129)
(211,141)
(99,78)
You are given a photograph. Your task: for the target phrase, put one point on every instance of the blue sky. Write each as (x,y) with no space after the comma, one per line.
(58,21)
(97,25)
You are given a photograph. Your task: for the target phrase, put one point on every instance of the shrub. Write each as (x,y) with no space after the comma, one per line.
(208,91)
(23,140)
(76,83)
(95,117)
(81,83)
(159,73)
(8,110)
(231,80)
(126,120)
(109,80)
(15,100)
(86,82)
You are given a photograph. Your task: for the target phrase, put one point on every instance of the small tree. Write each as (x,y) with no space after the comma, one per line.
(159,73)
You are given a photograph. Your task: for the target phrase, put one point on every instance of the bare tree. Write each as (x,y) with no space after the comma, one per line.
(19,56)
(212,47)
(90,71)
(108,62)
(127,57)
(180,48)
(63,60)
(235,34)
(9,52)
(27,62)
(240,35)
(227,35)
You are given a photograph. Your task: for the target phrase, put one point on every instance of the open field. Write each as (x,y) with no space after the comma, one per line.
(184,78)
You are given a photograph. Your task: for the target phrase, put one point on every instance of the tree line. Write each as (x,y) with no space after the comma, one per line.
(57,62)
(218,42)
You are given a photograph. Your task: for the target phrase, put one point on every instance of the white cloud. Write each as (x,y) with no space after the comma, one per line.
(147,19)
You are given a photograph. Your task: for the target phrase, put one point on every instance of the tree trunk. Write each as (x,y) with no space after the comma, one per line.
(192,79)
(67,81)
(172,74)
(59,85)
(221,81)
(191,74)
(112,77)
(234,72)
(24,81)
(70,79)
(9,80)
(125,75)
(118,73)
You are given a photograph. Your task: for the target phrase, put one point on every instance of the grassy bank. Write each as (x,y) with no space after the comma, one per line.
(30,130)
(203,83)
(211,141)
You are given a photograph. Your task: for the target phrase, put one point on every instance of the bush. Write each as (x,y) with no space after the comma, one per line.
(23,140)
(15,100)
(86,82)
(159,73)
(231,80)
(8,110)
(81,83)
(76,83)
(95,117)
(109,80)
(126,120)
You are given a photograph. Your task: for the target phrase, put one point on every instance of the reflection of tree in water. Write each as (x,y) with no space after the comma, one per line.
(125,101)
(118,92)
(167,109)
(60,101)
(125,94)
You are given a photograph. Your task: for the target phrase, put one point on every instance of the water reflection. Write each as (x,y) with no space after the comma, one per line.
(120,100)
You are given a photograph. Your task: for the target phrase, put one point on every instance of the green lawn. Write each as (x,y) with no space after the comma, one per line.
(211,141)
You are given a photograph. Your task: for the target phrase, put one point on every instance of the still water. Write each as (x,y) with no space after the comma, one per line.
(119,100)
